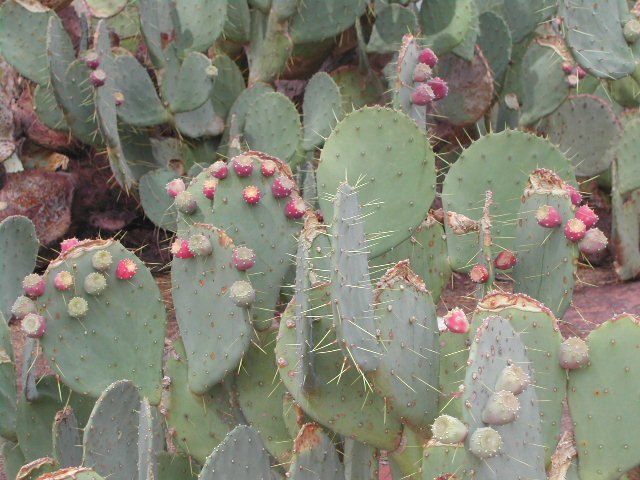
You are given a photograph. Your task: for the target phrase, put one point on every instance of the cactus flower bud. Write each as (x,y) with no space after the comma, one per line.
(33,325)
(574,353)
(449,430)
(485,443)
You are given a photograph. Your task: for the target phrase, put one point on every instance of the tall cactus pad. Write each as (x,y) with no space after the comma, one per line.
(18,252)
(602,398)
(400,192)
(111,435)
(497,345)
(322,109)
(343,401)
(454,352)
(216,330)
(241,455)
(262,227)
(408,372)
(67,443)
(594,34)
(315,457)
(542,341)
(445,22)
(350,283)
(627,170)
(7,385)
(121,336)
(475,172)
(547,260)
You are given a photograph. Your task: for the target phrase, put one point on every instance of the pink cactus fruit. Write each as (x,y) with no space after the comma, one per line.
(209,188)
(98,77)
(174,187)
(580,72)
(243,258)
(180,249)
(567,67)
(63,280)
(68,244)
(33,325)
(429,57)
(252,194)
(576,197)
(268,168)
(575,230)
(572,81)
(219,169)
(33,285)
(92,59)
(282,186)
(422,72)
(456,321)
(439,88)
(594,242)
(295,208)
(127,269)
(505,260)
(243,165)
(23,306)
(479,274)
(501,408)
(574,353)
(422,95)
(588,216)
(119,98)
(548,216)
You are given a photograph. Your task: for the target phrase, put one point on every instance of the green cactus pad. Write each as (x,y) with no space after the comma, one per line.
(201,122)
(467,48)
(172,466)
(227,85)
(67,443)
(351,287)
(260,393)
(216,331)
(454,352)
(547,260)
(200,422)
(200,23)
(357,89)
(361,462)
(23,39)
(541,339)
(322,109)
(240,455)
(106,8)
(18,251)
(524,16)
(123,329)
(495,42)
(111,434)
(156,19)
(147,464)
(359,151)
(495,346)
(186,86)
(8,394)
(440,460)
(392,23)
(594,35)
(319,20)
(315,456)
(600,398)
(445,22)
(628,170)
(35,419)
(47,108)
(343,401)
(400,77)
(13,459)
(625,235)
(262,227)
(237,27)
(475,172)
(586,128)
(273,126)
(141,106)
(158,206)
(407,375)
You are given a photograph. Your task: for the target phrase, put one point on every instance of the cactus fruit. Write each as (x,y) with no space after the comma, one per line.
(33,325)
(282,187)
(23,306)
(423,95)
(485,443)
(186,203)
(428,57)
(505,260)
(479,274)
(252,195)
(126,269)
(102,260)
(64,280)
(77,307)
(92,59)
(422,73)
(548,217)
(587,216)
(98,77)
(574,353)
(174,187)
(439,88)
(68,244)
(575,195)
(295,209)
(243,165)
(501,408)
(456,321)
(95,283)
(33,285)
(594,242)
(448,429)
(199,244)
(575,229)
(513,379)
(219,169)
(180,249)
(243,258)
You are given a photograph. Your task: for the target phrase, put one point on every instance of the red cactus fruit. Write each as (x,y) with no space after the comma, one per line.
(33,325)
(68,244)
(33,285)
(576,197)
(282,187)
(429,57)
(243,165)
(422,72)
(98,77)
(479,274)
(92,59)
(174,187)
(567,67)
(209,188)
(580,72)
(180,249)
(594,242)
(127,269)
(252,194)
(422,95)
(505,260)
(548,216)
(243,258)
(588,216)
(575,230)
(268,168)
(456,321)
(295,208)
(63,280)
(219,169)
(439,88)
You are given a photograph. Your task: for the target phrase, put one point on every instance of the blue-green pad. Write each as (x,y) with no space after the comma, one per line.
(316,21)
(315,457)
(524,16)
(399,192)
(627,169)
(185,85)
(8,393)
(67,440)
(495,42)
(199,23)
(392,22)
(158,206)
(445,22)
(322,108)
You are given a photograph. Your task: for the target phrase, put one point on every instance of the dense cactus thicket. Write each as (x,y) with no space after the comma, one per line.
(313,234)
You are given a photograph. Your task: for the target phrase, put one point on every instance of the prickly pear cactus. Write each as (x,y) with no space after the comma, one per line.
(315,457)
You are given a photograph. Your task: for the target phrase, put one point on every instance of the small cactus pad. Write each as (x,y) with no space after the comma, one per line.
(358,151)
(216,330)
(241,455)
(322,109)
(475,172)
(444,462)
(445,22)
(315,457)
(316,21)
(601,398)
(627,171)
(121,335)
(67,443)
